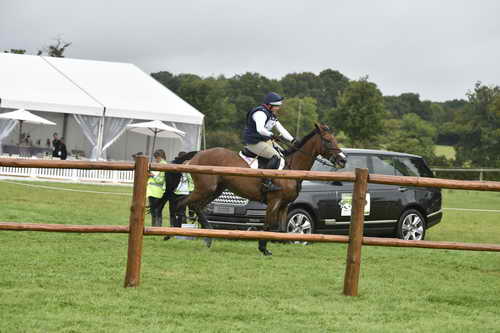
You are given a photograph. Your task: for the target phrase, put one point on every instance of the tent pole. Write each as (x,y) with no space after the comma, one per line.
(153,147)
(204,131)
(20,131)
(100,135)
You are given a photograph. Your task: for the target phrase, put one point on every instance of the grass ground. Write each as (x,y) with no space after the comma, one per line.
(446,151)
(55,282)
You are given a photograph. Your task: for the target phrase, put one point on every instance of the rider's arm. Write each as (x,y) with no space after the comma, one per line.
(260,121)
(283,131)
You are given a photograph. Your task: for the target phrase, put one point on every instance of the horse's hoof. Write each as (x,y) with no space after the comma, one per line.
(208,242)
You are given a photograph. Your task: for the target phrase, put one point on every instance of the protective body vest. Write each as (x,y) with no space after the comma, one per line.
(250,135)
(156,184)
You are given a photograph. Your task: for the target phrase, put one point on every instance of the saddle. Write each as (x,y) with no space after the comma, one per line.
(258,162)
(253,160)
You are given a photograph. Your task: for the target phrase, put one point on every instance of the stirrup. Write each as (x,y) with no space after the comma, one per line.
(270,187)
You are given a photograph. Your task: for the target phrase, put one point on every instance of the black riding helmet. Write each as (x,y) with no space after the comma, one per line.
(273,99)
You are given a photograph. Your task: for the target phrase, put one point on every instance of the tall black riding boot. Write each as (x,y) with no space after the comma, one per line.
(267,183)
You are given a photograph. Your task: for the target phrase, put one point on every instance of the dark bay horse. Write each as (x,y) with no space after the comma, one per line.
(300,157)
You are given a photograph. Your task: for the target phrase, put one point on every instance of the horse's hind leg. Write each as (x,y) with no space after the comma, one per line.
(263,243)
(272,218)
(263,247)
(205,225)
(195,202)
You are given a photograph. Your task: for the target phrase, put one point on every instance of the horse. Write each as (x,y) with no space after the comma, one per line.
(300,156)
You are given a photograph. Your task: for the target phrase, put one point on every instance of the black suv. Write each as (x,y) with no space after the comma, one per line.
(325,206)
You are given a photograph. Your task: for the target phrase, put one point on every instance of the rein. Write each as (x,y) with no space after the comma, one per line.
(321,160)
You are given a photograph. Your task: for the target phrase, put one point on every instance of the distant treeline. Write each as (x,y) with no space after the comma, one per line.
(361,116)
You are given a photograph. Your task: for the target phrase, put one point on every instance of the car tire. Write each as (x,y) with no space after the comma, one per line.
(299,221)
(411,225)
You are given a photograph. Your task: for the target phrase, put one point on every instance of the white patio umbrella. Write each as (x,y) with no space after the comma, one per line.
(24,116)
(156,129)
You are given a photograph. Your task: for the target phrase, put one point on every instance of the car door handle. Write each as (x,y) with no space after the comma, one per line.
(402,189)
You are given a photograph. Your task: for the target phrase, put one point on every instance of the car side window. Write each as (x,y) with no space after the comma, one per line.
(415,167)
(383,165)
(355,161)
(404,167)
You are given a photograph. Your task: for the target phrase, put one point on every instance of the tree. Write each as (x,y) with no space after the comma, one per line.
(479,143)
(15,51)
(169,80)
(360,114)
(301,85)
(325,87)
(299,115)
(407,103)
(411,135)
(57,49)
(332,84)
(252,85)
(224,138)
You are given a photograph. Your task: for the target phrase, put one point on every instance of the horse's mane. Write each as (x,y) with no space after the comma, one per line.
(292,149)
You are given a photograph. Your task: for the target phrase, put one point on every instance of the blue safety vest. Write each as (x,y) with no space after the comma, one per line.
(250,134)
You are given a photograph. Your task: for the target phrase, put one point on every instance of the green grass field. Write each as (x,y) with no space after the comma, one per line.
(446,151)
(56,282)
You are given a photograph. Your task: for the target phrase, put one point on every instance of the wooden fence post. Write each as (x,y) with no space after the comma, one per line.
(136,223)
(356,233)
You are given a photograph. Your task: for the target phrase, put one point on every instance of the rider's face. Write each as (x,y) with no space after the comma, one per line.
(275,108)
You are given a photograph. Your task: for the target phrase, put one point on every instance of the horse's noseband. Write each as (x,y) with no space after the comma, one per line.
(338,155)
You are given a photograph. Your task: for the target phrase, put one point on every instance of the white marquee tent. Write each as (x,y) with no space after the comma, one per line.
(101,99)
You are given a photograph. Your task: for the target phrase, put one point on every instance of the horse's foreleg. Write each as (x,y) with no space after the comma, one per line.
(282,222)
(272,214)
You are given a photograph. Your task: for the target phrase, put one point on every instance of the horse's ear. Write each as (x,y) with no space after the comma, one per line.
(318,127)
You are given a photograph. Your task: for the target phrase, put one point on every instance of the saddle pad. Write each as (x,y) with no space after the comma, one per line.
(252,162)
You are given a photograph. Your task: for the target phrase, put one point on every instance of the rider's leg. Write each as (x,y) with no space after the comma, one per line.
(266,150)
(269,186)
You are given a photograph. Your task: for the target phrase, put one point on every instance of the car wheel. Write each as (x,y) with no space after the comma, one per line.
(299,221)
(411,225)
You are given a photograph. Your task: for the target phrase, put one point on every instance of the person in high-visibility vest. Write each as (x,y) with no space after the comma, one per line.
(186,186)
(155,189)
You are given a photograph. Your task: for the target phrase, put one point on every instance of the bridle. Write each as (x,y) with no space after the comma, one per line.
(326,145)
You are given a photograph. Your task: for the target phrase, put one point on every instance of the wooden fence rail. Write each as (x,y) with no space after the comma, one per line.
(262,173)
(248,235)
(136,229)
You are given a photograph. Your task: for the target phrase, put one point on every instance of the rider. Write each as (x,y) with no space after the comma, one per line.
(258,136)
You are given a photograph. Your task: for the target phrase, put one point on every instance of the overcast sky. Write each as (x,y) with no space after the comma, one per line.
(437,48)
